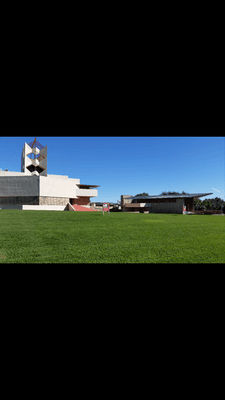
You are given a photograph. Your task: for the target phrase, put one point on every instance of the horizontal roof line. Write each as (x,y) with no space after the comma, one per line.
(82,184)
(169,196)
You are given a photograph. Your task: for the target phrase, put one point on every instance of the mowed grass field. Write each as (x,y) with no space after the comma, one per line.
(79,237)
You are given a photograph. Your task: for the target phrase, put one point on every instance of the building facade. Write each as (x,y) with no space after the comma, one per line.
(174,204)
(34,187)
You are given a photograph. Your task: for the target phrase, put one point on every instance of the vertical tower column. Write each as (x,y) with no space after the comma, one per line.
(34,159)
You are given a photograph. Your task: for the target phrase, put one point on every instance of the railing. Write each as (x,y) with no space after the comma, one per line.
(37,144)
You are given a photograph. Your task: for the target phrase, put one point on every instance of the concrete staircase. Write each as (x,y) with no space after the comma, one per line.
(80,208)
(75,207)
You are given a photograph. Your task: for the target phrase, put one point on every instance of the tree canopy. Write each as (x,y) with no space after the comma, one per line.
(171,193)
(209,204)
(162,194)
(142,194)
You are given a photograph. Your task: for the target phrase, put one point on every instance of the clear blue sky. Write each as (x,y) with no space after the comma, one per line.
(130,165)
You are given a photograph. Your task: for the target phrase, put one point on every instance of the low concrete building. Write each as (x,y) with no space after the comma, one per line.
(174,204)
(35,188)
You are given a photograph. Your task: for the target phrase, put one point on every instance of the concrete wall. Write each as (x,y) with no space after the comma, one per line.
(173,208)
(170,207)
(11,173)
(60,177)
(56,187)
(87,192)
(24,185)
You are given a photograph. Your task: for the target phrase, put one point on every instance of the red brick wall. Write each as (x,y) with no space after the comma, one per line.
(81,201)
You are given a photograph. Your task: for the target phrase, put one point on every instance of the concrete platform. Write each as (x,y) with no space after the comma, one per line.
(34,208)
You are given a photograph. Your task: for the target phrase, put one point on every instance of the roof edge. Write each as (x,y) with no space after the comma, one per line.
(170,196)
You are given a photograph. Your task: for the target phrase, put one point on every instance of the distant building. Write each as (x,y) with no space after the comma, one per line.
(173,204)
(125,199)
(34,188)
(99,205)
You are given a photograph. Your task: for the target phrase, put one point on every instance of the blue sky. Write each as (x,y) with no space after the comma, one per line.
(130,165)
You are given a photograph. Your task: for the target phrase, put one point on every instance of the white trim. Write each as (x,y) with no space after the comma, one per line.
(43,208)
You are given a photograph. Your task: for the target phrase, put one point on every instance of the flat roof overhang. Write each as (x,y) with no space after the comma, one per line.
(83,186)
(175,196)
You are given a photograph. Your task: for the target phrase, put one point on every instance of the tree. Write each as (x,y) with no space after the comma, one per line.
(139,195)
(214,204)
(197,203)
(172,193)
(209,205)
(142,194)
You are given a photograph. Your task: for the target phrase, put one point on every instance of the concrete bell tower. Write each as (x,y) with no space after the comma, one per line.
(34,159)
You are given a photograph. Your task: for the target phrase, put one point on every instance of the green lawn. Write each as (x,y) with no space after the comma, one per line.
(79,237)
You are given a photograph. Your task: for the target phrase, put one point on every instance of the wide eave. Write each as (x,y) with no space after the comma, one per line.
(175,196)
(83,186)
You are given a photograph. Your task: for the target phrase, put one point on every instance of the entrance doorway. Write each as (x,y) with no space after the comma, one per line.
(189,203)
